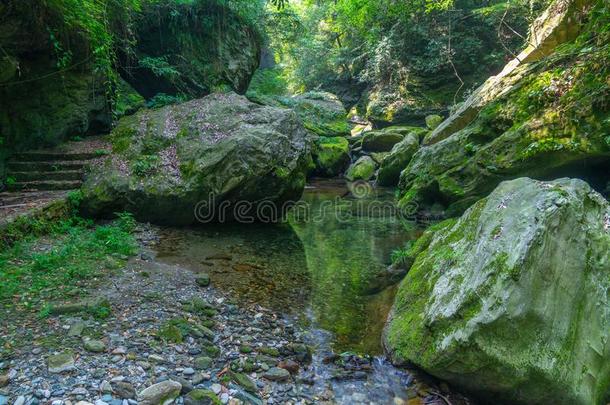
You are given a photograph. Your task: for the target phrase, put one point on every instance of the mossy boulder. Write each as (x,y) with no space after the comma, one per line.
(397,160)
(545,119)
(322,113)
(381,141)
(178,164)
(363,169)
(511,300)
(331,156)
(433,121)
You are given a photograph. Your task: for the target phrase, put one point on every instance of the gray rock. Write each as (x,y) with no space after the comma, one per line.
(277,374)
(76,329)
(124,390)
(94,346)
(163,393)
(60,363)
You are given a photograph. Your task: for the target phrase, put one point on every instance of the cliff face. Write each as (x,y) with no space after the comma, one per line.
(47,90)
(545,116)
(52,86)
(191,49)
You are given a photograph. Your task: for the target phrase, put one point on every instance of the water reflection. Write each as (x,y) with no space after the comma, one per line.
(328,263)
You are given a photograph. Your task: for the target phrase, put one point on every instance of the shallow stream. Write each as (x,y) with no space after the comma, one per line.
(325,267)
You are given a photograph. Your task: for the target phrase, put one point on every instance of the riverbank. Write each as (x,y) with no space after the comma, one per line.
(233,338)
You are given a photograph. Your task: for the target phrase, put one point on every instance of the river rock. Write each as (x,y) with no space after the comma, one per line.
(363,169)
(60,363)
(277,374)
(381,141)
(397,160)
(511,300)
(163,393)
(201,397)
(203,280)
(174,165)
(330,156)
(244,381)
(4,380)
(94,345)
(124,390)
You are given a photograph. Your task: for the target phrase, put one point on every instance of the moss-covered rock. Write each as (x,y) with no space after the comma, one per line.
(322,113)
(511,300)
(331,156)
(546,118)
(201,397)
(381,141)
(433,121)
(397,160)
(176,165)
(363,169)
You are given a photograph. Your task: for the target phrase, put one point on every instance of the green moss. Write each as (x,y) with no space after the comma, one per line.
(203,396)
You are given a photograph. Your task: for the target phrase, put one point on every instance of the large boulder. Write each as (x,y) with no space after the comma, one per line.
(397,160)
(191,48)
(221,150)
(512,300)
(321,112)
(381,141)
(546,119)
(331,156)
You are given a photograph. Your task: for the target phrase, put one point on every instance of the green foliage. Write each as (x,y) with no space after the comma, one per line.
(160,67)
(162,99)
(76,252)
(379,43)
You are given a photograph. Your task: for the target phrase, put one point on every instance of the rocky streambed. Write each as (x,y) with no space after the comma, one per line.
(229,314)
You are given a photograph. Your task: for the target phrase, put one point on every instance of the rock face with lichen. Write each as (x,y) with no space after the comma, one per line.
(545,116)
(512,300)
(178,164)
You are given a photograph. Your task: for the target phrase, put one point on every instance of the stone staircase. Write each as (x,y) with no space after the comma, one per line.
(60,169)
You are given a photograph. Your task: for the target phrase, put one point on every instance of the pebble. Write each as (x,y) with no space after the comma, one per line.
(216,388)
(20,400)
(188,371)
(224,398)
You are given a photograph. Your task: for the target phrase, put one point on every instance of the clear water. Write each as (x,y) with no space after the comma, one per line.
(325,266)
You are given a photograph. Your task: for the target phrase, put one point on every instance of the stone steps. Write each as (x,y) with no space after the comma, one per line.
(61,175)
(45,185)
(46,170)
(41,166)
(43,156)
